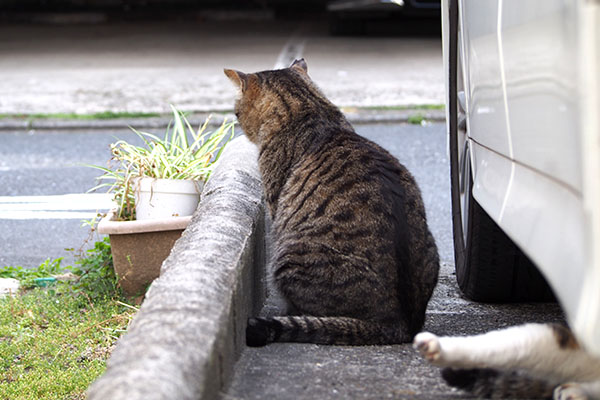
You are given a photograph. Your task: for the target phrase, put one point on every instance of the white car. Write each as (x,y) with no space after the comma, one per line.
(523,116)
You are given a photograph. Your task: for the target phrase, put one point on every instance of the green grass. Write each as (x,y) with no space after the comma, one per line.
(54,341)
(416,119)
(74,116)
(27,276)
(54,346)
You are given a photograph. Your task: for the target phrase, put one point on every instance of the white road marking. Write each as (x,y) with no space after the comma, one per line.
(21,215)
(67,206)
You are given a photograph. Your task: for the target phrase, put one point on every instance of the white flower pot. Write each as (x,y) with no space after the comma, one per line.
(164,198)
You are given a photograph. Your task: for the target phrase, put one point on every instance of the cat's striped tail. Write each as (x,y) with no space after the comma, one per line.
(491,384)
(323,330)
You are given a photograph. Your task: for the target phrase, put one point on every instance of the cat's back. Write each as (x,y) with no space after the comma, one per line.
(346,189)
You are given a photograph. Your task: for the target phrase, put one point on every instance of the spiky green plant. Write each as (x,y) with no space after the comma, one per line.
(172,157)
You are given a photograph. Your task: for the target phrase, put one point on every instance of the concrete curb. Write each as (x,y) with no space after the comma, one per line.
(195,120)
(354,115)
(189,331)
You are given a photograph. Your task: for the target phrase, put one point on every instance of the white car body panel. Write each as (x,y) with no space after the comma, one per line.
(539,48)
(483,80)
(532,83)
(546,220)
(493,178)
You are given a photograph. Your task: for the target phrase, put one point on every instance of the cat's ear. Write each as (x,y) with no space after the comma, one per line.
(240,79)
(300,66)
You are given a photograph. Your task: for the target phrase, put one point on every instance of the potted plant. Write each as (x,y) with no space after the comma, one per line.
(156,188)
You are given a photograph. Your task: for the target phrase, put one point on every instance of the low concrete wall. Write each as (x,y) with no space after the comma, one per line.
(190,329)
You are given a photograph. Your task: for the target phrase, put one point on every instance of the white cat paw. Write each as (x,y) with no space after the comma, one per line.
(428,345)
(569,391)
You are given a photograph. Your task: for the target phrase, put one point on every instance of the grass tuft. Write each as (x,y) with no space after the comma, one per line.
(55,340)
(54,346)
(416,119)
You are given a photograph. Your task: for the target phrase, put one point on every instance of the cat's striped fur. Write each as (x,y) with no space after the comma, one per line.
(353,256)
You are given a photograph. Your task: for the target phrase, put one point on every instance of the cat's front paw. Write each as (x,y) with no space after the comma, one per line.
(428,345)
(569,391)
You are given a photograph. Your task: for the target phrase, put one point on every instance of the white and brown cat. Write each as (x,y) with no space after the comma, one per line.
(526,361)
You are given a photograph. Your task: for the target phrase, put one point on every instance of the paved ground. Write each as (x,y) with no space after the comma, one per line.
(306,371)
(147,65)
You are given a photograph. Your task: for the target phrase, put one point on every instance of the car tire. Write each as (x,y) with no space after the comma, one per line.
(489,266)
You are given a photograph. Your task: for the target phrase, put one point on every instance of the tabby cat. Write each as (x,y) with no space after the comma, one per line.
(353,256)
(529,361)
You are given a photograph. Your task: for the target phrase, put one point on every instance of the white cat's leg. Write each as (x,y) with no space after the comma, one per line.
(501,348)
(569,391)
(534,347)
(578,391)
(430,348)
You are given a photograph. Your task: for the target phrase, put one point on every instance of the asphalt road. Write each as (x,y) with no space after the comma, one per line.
(43,163)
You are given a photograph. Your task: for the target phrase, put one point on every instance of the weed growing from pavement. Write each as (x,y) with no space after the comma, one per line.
(55,341)
(416,119)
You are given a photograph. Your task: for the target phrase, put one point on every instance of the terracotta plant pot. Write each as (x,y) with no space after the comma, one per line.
(140,247)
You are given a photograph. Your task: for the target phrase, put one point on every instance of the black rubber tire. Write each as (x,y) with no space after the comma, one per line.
(489,266)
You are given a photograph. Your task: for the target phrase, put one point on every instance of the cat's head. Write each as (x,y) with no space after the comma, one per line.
(267,99)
